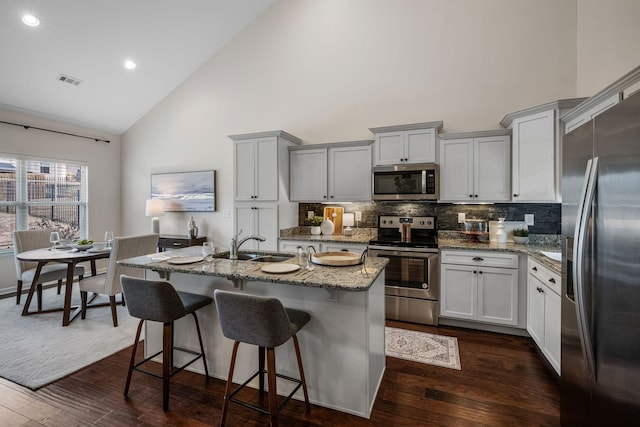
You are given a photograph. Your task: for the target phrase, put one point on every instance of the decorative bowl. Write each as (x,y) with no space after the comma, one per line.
(521,240)
(83,247)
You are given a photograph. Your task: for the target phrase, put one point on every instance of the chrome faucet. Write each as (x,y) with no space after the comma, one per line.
(235,244)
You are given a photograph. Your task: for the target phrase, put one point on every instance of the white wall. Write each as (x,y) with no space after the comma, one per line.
(103,161)
(608,35)
(328,70)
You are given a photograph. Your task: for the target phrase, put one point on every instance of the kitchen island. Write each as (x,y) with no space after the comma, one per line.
(342,346)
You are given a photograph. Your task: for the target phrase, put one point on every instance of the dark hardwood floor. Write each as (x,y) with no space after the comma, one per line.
(503,381)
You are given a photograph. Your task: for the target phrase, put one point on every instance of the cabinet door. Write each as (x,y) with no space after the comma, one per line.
(498,295)
(262,220)
(456,170)
(266,170)
(491,169)
(350,174)
(458,297)
(308,175)
(535,310)
(420,146)
(245,169)
(389,148)
(552,328)
(267,226)
(534,158)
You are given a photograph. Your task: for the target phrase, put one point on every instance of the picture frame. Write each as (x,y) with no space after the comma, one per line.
(185,191)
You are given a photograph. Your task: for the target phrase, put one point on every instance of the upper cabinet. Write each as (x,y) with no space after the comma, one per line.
(261,163)
(535,160)
(339,172)
(475,166)
(621,89)
(405,144)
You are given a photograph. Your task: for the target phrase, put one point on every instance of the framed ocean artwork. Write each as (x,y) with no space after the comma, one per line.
(185,191)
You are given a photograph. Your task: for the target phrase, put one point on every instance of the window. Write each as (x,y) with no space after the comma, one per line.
(36,195)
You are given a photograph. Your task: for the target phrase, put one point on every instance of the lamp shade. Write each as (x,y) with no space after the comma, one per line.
(154,208)
(348,219)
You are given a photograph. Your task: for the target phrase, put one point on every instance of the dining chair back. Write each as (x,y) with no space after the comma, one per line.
(28,240)
(109,283)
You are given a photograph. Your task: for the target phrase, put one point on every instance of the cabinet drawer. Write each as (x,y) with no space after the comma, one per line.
(546,276)
(484,258)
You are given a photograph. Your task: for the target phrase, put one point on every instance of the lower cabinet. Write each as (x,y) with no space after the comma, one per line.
(479,286)
(543,311)
(258,219)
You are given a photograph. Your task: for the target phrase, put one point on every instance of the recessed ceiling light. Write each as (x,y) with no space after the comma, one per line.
(30,20)
(129,65)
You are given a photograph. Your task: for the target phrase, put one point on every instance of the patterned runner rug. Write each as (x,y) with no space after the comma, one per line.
(422,347)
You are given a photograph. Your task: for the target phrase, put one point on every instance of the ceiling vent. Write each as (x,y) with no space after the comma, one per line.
(68,79)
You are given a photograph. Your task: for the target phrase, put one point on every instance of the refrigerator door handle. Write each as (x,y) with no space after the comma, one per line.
(581,232)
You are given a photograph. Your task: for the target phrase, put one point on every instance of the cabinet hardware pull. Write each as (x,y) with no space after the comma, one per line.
(479,272)
(475,272)
(477,258)
(470,195)
(515,195)
(534,269)
(475,195)
(552,280)
(332,197)
(324,197)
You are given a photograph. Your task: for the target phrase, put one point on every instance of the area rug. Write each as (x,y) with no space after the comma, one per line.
(36,350)
(422,347)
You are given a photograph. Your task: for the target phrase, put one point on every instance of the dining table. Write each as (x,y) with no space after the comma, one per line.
(68,256)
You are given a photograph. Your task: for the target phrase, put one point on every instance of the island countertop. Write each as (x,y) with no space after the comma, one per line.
(356,278)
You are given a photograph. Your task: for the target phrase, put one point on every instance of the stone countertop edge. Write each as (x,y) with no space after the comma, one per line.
(350,278)
(527,249)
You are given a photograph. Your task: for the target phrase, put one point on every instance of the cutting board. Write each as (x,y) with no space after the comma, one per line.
(337,220)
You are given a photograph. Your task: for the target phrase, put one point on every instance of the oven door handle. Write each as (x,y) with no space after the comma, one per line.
(389,250)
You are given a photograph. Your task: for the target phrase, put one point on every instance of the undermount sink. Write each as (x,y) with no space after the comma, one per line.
(556,256)
(258,257)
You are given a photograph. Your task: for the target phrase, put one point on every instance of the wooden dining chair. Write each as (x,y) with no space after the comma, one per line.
(109,283)
(28,240)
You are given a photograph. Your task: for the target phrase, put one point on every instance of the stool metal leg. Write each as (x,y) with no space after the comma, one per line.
(204,359)
(261,369)
(271,379)
(304,382)
(133,357)
(227,390)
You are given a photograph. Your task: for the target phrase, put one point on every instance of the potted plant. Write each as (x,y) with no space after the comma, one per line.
(521,235)
(315,224)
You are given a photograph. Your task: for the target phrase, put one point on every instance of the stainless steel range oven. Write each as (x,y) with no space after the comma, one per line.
(411,277)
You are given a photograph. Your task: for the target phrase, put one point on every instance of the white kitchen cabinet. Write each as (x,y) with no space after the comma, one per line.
(338,172)
(261,165)
(475,167)
(405,144)
(536,163)
(479,286)
(261,220)
(543,311)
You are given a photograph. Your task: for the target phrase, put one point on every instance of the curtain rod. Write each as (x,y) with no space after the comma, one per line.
(57,131)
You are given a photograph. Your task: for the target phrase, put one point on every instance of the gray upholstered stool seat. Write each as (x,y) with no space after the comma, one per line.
(159,301)
(266,323)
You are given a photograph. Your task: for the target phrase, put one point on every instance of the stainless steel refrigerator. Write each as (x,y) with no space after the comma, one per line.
(600,382)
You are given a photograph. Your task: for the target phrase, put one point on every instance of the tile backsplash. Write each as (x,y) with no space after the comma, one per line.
(547,216)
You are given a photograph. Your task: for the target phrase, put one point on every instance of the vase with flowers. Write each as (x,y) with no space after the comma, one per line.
(315,224)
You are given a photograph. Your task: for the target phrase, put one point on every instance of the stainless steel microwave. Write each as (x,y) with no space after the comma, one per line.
(420,181)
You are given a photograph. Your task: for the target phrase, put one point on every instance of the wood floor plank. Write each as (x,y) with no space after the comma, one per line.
(503,382)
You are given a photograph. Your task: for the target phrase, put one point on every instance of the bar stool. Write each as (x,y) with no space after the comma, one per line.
(160,302)
(266,323)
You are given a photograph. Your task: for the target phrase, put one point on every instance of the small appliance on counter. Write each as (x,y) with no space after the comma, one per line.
(411,278)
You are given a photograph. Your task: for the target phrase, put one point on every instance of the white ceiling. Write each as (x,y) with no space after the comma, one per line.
(89,40)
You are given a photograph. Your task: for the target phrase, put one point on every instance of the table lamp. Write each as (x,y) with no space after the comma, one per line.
(155,208)
(348,219)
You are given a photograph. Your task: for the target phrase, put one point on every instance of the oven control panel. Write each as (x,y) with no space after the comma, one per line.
(420,222)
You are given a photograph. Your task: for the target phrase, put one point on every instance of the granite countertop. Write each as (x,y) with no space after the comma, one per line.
(352,278)
(531,249)
(360,235)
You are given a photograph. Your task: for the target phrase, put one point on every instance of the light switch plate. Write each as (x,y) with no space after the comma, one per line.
(310,214)
(358,216)
(461,217)
(528,219)
(226,213)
